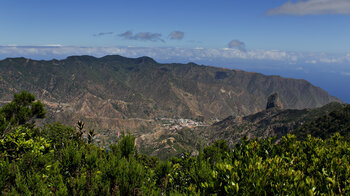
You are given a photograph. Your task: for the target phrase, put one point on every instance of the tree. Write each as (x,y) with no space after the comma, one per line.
(217,152)
(22,110)
(126,145)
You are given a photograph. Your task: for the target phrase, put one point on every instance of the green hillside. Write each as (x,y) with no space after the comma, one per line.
(326,125)
(275,122)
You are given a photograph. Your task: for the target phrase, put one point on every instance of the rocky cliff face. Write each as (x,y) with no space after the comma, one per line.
(273,101)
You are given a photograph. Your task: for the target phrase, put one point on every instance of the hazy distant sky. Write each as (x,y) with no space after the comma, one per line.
(303,36)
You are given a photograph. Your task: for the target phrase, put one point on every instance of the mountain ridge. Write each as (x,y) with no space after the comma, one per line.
(142,88)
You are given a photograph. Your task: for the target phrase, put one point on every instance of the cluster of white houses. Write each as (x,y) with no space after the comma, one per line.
(177,124)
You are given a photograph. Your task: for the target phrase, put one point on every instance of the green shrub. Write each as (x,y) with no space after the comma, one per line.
(54,161)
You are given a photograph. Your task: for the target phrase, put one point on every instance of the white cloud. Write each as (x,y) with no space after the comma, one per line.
(345,73)
(175,54)
(142,36)
(312,7)
(177,35)
(237,44)
(52,45)
(102,34)
(311,61)
(330,60)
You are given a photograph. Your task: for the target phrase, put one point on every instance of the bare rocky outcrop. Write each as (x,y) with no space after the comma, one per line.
(274,101)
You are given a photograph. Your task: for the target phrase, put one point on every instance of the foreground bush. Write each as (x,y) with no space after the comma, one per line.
(54,160)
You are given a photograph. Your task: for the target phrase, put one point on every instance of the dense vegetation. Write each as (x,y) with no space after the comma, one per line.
(56,159)
(320,122)
(326,125)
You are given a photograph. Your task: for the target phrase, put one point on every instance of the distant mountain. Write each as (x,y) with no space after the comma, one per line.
(115,94)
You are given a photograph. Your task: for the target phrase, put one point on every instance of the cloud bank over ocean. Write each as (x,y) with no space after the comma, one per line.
(172,53)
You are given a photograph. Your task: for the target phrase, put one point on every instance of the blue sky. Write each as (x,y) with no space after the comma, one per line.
(269,36)
(211,24)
